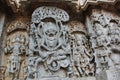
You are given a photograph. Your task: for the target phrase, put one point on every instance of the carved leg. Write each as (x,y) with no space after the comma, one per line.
(36,67)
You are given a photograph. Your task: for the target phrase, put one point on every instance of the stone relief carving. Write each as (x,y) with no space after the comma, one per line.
(114,31)
(50,44)
(114,58)
(80,4)
(15,51)
(104,37)
(15,25)
(59,49)
(2,72)
(83,59)
(83,4)
(50,41)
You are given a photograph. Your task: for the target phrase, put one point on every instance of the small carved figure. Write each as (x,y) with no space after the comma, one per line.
(82,57)
(16,48)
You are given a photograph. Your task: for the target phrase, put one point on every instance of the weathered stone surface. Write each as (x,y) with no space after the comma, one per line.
(79,4)
(109,75)
(2,23)
(55,45)
(58,78)
(113,74)
(2,72)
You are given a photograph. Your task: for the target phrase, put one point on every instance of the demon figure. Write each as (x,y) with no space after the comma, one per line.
(50,40)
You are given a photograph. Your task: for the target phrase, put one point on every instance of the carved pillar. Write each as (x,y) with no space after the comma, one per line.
(2,23)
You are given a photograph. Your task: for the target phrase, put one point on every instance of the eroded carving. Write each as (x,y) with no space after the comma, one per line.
(16,49)
(59,50)
(83,4)
(19,24)
(83,59)
(54,47)
(104,37)
(2,72)
(50,41)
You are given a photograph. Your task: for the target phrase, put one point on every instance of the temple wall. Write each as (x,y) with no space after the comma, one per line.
(55,43)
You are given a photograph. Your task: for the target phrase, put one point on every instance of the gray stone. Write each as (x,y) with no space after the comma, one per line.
(113,74)
(58,78)
(109,75)
(56,46)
